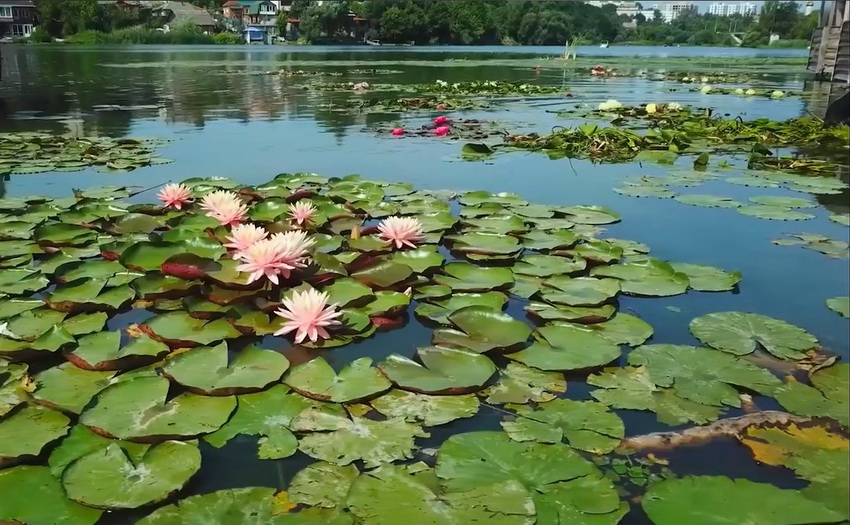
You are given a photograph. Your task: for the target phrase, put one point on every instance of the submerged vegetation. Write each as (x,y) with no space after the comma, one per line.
(113,416)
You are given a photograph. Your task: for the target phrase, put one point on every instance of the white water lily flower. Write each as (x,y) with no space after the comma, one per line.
(704,79)
(685,79)
(705,89)
(674,106)
(777,94)
(456,85)
(751,92)
(651,108)
(739,91)
(441,83)
(523,87)
(609,105)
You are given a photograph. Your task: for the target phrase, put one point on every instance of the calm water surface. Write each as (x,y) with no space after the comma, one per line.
(225,119)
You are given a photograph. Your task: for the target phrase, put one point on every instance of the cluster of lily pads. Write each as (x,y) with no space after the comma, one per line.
(708,89)
(489,87)
(98,416)
(41,152)
(404,105)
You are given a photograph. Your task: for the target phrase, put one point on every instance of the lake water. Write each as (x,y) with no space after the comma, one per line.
(225,119)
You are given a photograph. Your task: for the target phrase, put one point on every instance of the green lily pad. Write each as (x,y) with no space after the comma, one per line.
(839,305)
(650,277)
(424,408)
(484,243)
(708,201)
(549,240)
(633,389)
(384,274)
(703,375)
(80,442)
(317,380)
(109,479)
(829,395)
(103,351)
(840,218)
(322,484)
(12,388)
(19,281)
(570,314)
(420,260)
(211,370)
(591,214)
(340,440)
(89,294)
(268,414)
(68,388)
(391,495)
(12,307)
(386,304)
(704,500)
(178,329)
(40,499)
(645,191)
(519,384)
(784,202)
(438,310)
(467,277)
(586,425)
(548,265)
(27,431)
(138,409)
(580,291)
(756,182)
(499,224)
(482,329)
(567,347)
(598,251)
(59,234)
(708,278)
(776,213)
(740,333)
(443,370)
(623,329)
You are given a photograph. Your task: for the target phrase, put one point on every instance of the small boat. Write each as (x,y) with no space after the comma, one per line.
(378,43)
(604,44)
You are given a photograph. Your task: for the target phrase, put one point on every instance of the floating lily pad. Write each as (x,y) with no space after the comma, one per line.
(708,278)
(103,351)
(499,224)
(818,243)
(317,380)
(580,291)
(68,388)
(567,347)
(484,244)
(482,329)
(14,385)
(740,333)
(776,213)
(438,310)
(597,251)
(420,260)
(591,214)
(651,277)
(623,329)
(386,303)
(20,281)
(340,440)
(467,277)
(572,314)
(550,240)
(39,499)
(840,218)
(109,479)
(520,384)
(548,265)
(211,370)
(829,395)
(80,442)
(424,408)
(268,414)
(839,305)
(704,500)
(28,430)
(138,410)
(708,201)
(392,495)
(322,484)
(178,329)
(756,182)
(784,202)
(645,191)
(586,425)
(443,370)
(633,389)
(384,274)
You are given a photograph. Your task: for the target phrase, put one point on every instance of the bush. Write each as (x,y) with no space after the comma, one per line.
(39,36)
(228,39)
(85,38)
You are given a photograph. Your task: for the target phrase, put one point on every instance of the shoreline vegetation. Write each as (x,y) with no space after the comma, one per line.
(429,22)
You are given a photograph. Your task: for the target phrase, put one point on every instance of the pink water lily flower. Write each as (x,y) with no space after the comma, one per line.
(175,195)
(302,212)
(308,313)
(401,231)
(397,132)
(442,119)
(276,256)
(243,236)
(441,131)
(225,207)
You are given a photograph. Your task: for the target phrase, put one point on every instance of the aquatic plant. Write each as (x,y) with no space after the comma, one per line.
(308,314)
(175,195)
(243,236)
(401,231)
(225,207)
(302,212)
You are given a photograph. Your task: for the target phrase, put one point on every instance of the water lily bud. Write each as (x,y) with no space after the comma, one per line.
(397,132)
(777,94)
(442,119)
(441,131)
(355,232)
(440,106)
(751,92)
(651,108)
(739,91)
(705,89)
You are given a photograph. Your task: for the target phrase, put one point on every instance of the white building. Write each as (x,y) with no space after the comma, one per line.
(732,8)
(672,10)
(630,9)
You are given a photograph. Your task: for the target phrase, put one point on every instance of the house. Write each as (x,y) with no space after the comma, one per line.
(173,13)
(17,18)
(256,19)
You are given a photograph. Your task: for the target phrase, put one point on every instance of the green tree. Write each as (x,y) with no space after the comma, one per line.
(779,17)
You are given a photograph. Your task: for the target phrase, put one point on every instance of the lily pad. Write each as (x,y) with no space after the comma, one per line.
(520,384)
(775,213)
(839,305)
(392,495)
(340,440)
(829,395)
(708,278)
(784,202)
(580,291)
(645,191)
(28,430)
(103,351)
(708,201)
(211,370)
(598,251)
(650,277)
(14,385)
(322,484)
(317,380)
(424,408)
(567,347)
(740,333)
(482,329)
(39,499)
(704,500)
(591,214)
(109,479)
(178,329)
(438,310)
(586,425)
(268,414)
(467,277)
(548,265)
(80,442)
(550,240)
(443,370)
(571,314)
(420,260)
(384,274)
(68,388)
(138,410)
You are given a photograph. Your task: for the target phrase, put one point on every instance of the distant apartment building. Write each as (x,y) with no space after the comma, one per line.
(732,8)
(630,9)
(672,10)
(17,18)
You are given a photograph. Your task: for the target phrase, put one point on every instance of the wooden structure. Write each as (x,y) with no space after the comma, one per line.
(829,53)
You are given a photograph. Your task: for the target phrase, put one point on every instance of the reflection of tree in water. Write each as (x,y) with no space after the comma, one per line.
(838,203)
(3,182)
